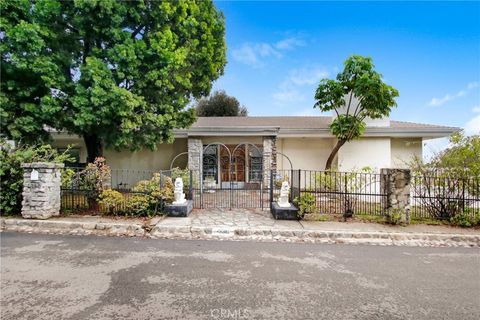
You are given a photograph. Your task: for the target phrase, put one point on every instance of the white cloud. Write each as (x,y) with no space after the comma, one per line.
(472,85)
(254,54)
(435,102)
(307,76)
(473,126)
(288,96)
(289,43)
(298,80)
(476,109)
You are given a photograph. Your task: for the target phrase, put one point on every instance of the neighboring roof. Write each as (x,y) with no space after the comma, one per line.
(312,126)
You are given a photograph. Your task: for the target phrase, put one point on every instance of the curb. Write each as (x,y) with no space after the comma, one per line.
(160,231)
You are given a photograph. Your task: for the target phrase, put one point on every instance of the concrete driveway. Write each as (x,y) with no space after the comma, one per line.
(70,277)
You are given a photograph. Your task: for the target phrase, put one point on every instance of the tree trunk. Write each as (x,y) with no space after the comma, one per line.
(94,147)
(334,152)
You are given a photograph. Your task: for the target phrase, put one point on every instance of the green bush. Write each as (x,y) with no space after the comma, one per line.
(465,220)
(306,204)
(111,200)
(139,205)
(11,173)
(394,217)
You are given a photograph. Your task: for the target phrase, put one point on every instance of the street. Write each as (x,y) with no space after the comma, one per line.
(90,277)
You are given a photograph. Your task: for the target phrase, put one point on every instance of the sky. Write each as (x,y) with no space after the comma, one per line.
(429,51)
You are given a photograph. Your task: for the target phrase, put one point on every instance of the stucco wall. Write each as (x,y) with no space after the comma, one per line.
(305,153)
(365,152)
(141,160)
(404,149)
(149,160)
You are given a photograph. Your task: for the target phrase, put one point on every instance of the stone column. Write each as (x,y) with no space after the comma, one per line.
(195,158)
(41,190)
(269,157)
(395,185)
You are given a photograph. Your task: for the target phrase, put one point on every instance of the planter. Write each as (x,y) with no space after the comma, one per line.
(179,210)
(281,213)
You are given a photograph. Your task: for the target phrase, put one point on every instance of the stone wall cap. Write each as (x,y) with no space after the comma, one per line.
(43,165)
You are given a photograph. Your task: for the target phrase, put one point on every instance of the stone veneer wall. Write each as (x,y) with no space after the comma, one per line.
(395,184)
(195,154)
(41,198)
(269,157)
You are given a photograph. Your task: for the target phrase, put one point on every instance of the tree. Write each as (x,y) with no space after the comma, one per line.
(462,156)
(220,104)
(117,73)
(357,93)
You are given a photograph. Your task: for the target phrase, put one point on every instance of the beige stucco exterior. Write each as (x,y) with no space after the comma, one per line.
(304,153)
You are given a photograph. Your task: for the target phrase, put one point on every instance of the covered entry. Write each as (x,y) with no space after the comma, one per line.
(232,176)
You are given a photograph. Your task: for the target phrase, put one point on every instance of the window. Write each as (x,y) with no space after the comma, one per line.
(210,163)
(256,163)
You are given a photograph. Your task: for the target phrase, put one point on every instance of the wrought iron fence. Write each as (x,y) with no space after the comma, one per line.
(80,190)
(442,196)
(333,192)
(357,193)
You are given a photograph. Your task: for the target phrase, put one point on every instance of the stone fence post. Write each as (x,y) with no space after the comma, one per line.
(395,185)
(41,190)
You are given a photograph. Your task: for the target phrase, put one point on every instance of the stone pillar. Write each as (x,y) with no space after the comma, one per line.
(41,190)
(195,156)
(395,185)
(269,157)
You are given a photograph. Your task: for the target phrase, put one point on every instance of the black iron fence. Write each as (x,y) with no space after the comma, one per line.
(140,191)
(329,192)
(443,196)
(355,193)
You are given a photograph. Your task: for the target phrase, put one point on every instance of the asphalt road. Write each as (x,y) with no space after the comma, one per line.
(69,277)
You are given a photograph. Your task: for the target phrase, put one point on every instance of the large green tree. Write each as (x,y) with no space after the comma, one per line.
(117,73)
(357,93)
(220,104)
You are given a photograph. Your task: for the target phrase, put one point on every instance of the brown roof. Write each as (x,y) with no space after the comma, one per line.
(294,122)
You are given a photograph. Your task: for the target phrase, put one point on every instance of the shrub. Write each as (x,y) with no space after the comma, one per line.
(394,216)
(112,200)
(465,220)
(11,173)
(306,204)
(138,205)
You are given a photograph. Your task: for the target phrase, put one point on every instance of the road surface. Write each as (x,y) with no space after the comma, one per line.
(88,277)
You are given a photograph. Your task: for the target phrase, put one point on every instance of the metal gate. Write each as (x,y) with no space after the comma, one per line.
(231,178)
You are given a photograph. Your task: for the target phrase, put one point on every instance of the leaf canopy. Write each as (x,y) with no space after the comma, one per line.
(123,71)
(357,92)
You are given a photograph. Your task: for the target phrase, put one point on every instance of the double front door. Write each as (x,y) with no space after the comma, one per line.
(234,170)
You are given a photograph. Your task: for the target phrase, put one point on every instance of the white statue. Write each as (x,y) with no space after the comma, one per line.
(178,192)
(284,193)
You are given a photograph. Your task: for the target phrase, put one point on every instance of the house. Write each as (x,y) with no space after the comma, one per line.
(238,148)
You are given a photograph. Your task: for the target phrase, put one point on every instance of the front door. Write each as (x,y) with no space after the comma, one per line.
(234,171)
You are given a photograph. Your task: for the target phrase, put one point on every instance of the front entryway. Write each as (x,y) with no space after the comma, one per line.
(231,177)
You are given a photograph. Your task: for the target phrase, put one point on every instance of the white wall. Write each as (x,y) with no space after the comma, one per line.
(305,153)
(365,152)
(383,122)
(404,150)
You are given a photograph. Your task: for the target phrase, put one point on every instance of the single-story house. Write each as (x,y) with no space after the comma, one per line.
(238,148)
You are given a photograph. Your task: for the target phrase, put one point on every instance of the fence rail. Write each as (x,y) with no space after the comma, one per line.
(441,196)
(358,193)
